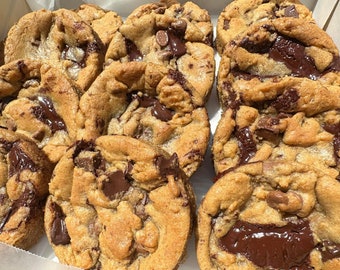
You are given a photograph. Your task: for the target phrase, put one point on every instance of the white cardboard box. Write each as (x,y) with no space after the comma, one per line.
(41,256)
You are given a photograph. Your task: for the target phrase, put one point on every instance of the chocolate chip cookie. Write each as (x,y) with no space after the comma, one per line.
(148,102)
(247,135)
(176,36)
(119,203)
(25,173)
(300,67)
(238,15)
(39,101)
(270,215)
(60,37)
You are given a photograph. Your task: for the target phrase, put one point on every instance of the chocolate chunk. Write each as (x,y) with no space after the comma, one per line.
(167,166)
(176,43)
(266,129)
(46,113)
(226,24)
(291,11)
(247,145)
(179,26)
(82,145)
(329,250)
(158,110)
(115,184)
(133,52)
(91,164)
(162,38)
(5,101)
(19,161)
(292,53)
(256,47)
(59,233)
(233,102)
(178,77)
(269,246)
(335,65)
(286,102)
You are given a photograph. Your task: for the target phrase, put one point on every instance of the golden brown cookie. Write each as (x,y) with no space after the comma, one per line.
(25,174)
(119,203)
(299,66)
(270,215)
(177,36)
(238,15)
(39,101)
(104,22)
(148,102)
(62,39)
(247,135)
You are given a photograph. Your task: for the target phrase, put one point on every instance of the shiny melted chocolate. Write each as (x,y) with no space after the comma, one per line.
(246,143)
(59,233)
(46,113)
(292,54)
(266,245)
(158,110)
(19,160)
(133,52)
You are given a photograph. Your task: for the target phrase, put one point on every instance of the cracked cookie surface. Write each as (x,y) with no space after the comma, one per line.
(119,203)
(148,102)
(246,135)
(237,16)
(24,175)
(62,39)
(39,101)
(281,208)
(176,36)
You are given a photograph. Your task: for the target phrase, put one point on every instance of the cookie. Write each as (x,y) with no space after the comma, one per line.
(270,215)
(60,37)
(25,173)
(275,63)
(104,22)
(39,101)
(247,135)
(119,203)
(238,15)
(148,102)
(176,36)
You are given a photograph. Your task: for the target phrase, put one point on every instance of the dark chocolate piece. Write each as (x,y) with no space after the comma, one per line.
(329,250)
(19,161)
(291,11)
(46,113)
(115,184)
(158,110)
(266,245)
(335,130)
(167,166)
(287,101)
(266,129)
(132,51)
(59,233)
(292,53)
(247,145)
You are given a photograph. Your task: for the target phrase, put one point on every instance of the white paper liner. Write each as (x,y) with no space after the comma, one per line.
(12,258)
